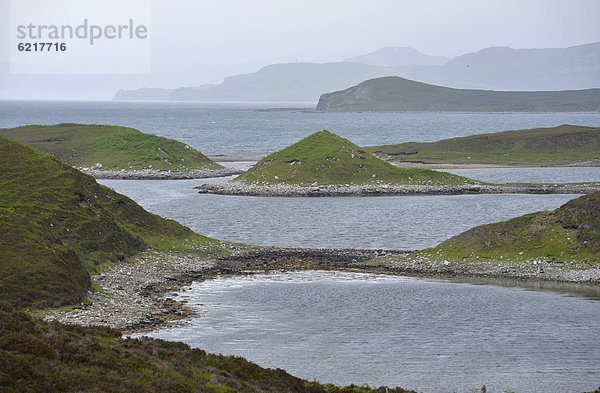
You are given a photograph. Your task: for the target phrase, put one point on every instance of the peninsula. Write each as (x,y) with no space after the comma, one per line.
(558,245)
(395,94)
(568,235)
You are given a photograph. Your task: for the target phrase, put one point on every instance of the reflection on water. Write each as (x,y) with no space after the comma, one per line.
(591,292)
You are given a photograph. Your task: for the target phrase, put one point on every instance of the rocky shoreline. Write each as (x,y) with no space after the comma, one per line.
(134,295)
(154,174)
(316,190)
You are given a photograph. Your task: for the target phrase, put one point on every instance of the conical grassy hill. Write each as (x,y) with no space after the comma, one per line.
(57,224)
(569,234)
(116,148)
(326,158)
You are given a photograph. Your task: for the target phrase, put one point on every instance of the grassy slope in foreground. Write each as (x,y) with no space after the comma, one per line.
(569,234)
(116,148)
(562,145)
(395,94)
(56,224)
(326,158)
(39,356)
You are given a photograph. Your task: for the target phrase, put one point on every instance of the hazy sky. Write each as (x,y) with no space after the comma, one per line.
(319,30)
(205,41)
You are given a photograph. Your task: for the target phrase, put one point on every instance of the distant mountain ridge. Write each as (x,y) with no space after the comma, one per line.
(281,82)
(288,82)
(395,94)
(393,56)
(504,68)
(500,68)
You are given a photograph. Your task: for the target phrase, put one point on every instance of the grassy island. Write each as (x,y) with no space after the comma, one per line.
(325,158)
(114,147)
(562,145)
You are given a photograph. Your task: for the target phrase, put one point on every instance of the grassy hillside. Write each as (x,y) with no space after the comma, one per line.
(37,356)
(397,94)
(56,224)
(112,146)
(568,234)
(562,145)
(326,158)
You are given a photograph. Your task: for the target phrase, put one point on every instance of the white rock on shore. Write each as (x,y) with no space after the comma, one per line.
(154,174)
(239,188)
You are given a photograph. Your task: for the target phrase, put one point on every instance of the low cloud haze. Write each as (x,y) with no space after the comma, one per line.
(197,42)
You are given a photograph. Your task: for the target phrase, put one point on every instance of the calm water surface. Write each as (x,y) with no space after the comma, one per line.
(532,175)
(400,222)
(249,130)
(349,328)
(431,336)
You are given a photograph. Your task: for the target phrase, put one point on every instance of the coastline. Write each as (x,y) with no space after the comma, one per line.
(153,174)
(288,190)
(134,296)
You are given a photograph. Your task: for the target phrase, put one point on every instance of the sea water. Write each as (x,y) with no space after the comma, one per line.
(432,336)
(427,335)
(255,130)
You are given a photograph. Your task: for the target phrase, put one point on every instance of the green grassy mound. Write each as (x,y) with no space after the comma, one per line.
(37,356)
(116,148)
(326,158)
(569,234)
(562,145)
(56,224)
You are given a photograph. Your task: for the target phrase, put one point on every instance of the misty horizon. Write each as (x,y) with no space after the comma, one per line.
(197,43)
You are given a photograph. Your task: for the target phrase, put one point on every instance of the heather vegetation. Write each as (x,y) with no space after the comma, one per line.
(57,225)
(38,356)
